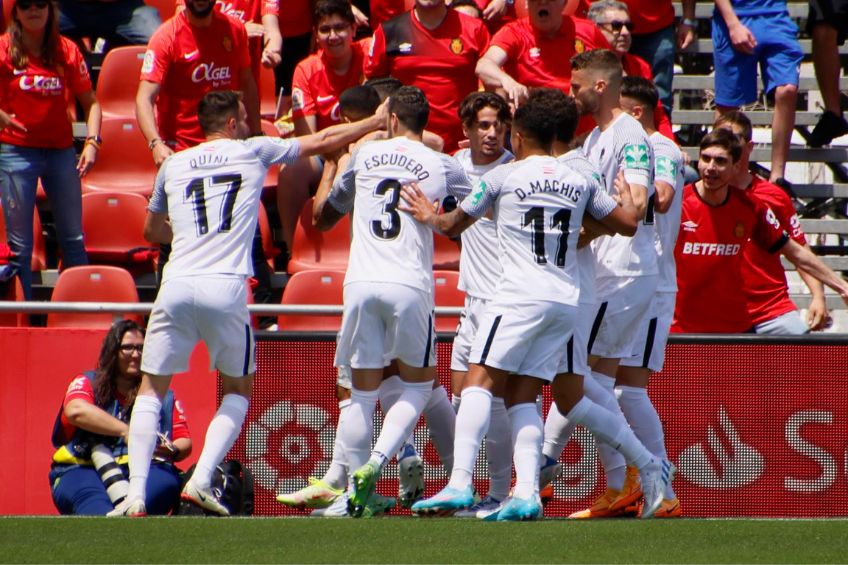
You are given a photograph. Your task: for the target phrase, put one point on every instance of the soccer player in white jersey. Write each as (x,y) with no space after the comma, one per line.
(626,271)
(388,291)
(485,118)
(538,205)
(205,202)
(639,98)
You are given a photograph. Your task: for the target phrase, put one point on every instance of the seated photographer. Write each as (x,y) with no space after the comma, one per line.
(89,471)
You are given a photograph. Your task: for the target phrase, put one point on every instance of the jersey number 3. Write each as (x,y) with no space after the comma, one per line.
(535,217)
(195,190)
(388,226)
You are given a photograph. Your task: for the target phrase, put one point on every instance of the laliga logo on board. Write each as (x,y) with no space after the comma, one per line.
(211,73)
(287,443)
(739,464)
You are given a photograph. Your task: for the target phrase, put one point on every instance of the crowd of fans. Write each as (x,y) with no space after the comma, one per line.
(447,50)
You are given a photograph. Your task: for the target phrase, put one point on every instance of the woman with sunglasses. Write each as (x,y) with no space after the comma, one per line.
(40,71)
(94,415)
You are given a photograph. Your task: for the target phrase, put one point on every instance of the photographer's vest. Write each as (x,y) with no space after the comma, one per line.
(76,450)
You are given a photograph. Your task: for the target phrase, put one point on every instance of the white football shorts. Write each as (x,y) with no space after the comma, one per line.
(385,321)
(526,338)
(576,358)
(616,326)
(649,347)
(190,309)
(469,321)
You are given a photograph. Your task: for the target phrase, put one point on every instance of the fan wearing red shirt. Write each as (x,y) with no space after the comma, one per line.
(40,72)
(772,310)
(435,49)
(318,82)
(536,51)
(718,222)
(195,52)
(613,19)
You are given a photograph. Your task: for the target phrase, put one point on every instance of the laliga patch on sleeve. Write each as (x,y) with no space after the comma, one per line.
(477,195)
(636,156)
(666,167)
(147,65)
(297,99)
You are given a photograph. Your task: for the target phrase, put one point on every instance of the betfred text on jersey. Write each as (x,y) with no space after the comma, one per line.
(550,185)
(397,160)
(721,249)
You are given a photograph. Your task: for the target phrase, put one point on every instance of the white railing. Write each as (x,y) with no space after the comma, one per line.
(145,307)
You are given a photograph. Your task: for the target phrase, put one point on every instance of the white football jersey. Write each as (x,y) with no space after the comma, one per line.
(538,206)
(479,264)
(586,258)
(390,245)
(669,168)
(624,145)
(211,194)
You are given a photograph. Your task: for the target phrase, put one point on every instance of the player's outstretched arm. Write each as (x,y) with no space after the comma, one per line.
(325,216)
(416,204)
(805,259)
(336,137)
(663,196)
(624,219)
(157,229)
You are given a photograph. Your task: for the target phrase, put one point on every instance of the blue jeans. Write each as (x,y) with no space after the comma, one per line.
(21,168)
(80,491)
(657,49)
(124,22)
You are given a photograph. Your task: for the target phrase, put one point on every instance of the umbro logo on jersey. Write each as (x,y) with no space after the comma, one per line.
(689,225)
(191,55)
(405,47)
(548,170)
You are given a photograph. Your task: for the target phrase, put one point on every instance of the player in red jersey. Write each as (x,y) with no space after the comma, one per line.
(318,82)
(536,51)
(771,309)
(435,49)
(717,223)
(195,52)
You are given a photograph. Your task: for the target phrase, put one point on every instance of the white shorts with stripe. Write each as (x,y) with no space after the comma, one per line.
(385,321)
(190,309)
(469,321)
(616,326)
(526,338)
(576,358)
(649,347)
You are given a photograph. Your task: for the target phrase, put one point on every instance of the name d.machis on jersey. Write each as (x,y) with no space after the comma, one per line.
(549,185)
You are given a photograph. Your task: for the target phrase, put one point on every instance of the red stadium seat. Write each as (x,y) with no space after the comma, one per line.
(14,293)
(267,94)
(118,82)
(39,245)
(270,130)
(166,8)
(268,248)
(312,287)
(92,283)
(113,224)
(124,163)
(445,253)
(313,249)
(447,294)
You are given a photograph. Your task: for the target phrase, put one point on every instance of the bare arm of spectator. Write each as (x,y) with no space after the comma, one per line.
(305,125)
(494,9)
(806,260)
(92,418)
(358,17)
(91,109)
(686,33)
(145,98)
(272,54)
(740,36)
(328,176)
(817,314)
(490,71)
(250,94)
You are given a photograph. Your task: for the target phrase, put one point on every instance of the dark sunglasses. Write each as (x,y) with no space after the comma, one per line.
(27,4)
(129,348)
(618,25)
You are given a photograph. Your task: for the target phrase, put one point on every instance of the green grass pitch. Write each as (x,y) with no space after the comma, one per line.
(409,540)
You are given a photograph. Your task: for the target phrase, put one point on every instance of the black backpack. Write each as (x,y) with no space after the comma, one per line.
(232,483)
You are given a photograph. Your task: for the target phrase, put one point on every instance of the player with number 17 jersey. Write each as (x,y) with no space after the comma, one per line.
(388,245)
(211,194)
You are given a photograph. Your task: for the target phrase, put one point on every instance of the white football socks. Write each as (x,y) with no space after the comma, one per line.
(441,420)
(390,390)
(144,424)
(336,475)
(558,430)
(614,464)
(222,433)
(455,400)
(610,429)
(401,420)
(646,424)
(472,423)
(358,427)
(527,434)
(499,451)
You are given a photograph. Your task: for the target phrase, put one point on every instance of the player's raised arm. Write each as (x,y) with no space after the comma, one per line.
(419,207)
(335,137)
